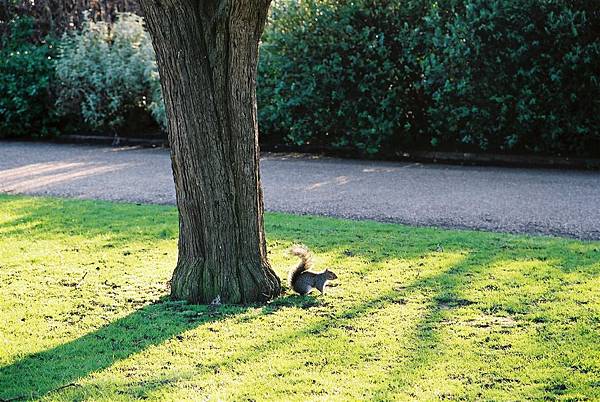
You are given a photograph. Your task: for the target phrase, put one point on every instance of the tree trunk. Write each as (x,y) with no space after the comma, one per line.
(207,53)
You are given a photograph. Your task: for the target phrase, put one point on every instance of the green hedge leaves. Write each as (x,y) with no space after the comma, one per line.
(26,71)
(475,75)
(373,77)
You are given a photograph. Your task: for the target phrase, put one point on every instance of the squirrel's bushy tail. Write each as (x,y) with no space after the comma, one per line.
(305,263)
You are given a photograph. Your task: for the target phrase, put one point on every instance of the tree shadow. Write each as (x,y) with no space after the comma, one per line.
(157,323)
(361,308)
(45,217)
(59,367)
(116,222)
(153,324)
(43,372)
(444,293)
(425,336)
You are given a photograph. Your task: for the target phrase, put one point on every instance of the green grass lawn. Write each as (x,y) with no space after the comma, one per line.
(416,313)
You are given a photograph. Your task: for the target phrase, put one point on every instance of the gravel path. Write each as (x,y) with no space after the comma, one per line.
(536,201)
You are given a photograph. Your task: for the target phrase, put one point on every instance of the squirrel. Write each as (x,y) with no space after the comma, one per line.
(301,279)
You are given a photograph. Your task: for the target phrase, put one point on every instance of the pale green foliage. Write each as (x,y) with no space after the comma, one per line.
(156,106)
(106,71)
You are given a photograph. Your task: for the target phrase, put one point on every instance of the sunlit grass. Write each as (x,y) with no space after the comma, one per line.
(415,314)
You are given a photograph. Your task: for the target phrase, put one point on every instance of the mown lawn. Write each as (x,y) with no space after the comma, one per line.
(416,313)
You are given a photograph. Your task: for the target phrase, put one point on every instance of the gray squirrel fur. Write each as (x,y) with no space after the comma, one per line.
(301,279)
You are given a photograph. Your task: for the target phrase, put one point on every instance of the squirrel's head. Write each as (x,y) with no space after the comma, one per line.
(330,274)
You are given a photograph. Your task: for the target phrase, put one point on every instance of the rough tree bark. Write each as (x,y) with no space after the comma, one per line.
(207,53)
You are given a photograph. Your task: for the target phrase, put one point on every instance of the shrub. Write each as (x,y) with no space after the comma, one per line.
(106,71)
(341,73)
(156,105)
(519,76)
(385,76)
(26,70)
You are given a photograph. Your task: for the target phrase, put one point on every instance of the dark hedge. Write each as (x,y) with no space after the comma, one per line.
(479,75)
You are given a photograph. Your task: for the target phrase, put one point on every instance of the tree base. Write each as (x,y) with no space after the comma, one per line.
(194,283)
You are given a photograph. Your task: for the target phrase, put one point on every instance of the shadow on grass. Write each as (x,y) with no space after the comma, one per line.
(49,370)
(59,367)
(445,285)
(44,217)
(45,371)
(125,222)
(444,290)
(151,325)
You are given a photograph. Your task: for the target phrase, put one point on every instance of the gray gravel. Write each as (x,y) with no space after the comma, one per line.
(535,201)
